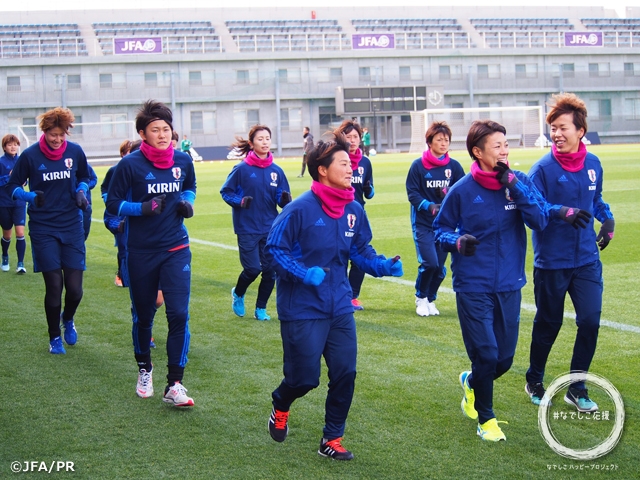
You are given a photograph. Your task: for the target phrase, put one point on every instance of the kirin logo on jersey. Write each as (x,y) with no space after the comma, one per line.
(274,179)
(351,221)
(360,170)
(592,175)
(68,162)
(177,172)
(447,173)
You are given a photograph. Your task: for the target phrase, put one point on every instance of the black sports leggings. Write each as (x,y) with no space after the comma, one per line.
(53,282)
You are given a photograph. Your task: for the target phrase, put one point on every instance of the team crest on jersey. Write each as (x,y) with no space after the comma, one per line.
(507,194)
(360,170)
(351,221)
(447,173)
(68,162)
(274,177)
(592,175)
(177,172)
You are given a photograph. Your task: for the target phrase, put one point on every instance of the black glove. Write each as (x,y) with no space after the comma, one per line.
(466,245)
(285,198)
(505,175)
(440,193)
(39,200)
(367,188)
(606,233)
(433,208)
(246,202)
(185,209)
(81,200)
(155,206)
(575,217)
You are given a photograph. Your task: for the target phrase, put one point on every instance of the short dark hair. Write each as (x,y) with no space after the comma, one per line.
(347,126)
(568,103)
(9,138)
(478,133)
(323,153)
(175,136)
(243,145)
(150,111)
(436,128)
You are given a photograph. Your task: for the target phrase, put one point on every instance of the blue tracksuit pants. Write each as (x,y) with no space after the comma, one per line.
(254,261)
(304,343)
(489,324)
(585,286)
(145,273)
(431,271)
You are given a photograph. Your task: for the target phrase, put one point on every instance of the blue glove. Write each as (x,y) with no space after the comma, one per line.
(392,267)
(314,276)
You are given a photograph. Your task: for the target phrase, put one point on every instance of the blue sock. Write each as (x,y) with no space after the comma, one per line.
(5,246)
(21,247)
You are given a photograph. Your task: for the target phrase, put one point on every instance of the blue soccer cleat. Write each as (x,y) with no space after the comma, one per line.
(580,399)
(56,347)
(70,332)
(261,314)
(237,303)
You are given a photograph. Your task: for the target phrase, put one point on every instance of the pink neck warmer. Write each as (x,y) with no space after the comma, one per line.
(333,199)
(429,160)
(48,152)
(571,162)
(255,161)
(162,159)
(355,159)
(487,179)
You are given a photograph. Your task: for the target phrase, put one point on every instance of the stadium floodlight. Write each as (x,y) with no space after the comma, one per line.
(524,125)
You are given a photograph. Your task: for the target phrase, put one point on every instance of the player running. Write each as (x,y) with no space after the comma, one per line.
(310,245)
(428,181)
(362,182)
(568,174)
(12,212)
(481,221)
(254,189)
(154,188)
(58,178)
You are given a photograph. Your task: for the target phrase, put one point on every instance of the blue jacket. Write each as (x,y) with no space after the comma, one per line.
(559,245)
(265,185)
(58,180)
(497,219)
(136,180)
(7,162)
(421,185)
(360,177)
(304,236)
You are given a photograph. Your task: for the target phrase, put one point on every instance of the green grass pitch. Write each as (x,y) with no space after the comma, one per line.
(405,421)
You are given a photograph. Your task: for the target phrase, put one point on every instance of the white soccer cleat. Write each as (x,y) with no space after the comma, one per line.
(144,389)
(177,395)
(432,309)
(422,307)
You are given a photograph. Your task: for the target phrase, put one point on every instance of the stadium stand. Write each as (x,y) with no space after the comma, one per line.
(41,40)
(617,32)
(287,35)
(522,32)
(177,37)
(418,33)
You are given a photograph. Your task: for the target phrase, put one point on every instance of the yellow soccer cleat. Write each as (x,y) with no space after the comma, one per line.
(490,431)
(469,399)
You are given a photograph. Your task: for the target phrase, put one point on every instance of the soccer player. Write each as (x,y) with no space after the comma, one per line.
(481,221)
(362,182)
(58,178)
(154,188)
(254,189)
(310,245)
(186,145)
(567,260)
(428,181)
(12,212)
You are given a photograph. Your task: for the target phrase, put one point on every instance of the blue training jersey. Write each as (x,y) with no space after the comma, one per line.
(265,185)
(360,177)
(136,180)
(7,162)
(58,180)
